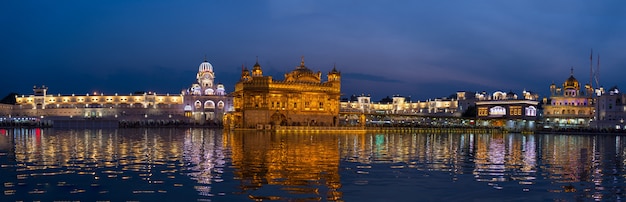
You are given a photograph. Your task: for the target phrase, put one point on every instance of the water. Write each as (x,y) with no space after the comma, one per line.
(209,165)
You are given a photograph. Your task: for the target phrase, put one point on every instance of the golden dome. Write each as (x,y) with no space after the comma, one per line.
(571,82)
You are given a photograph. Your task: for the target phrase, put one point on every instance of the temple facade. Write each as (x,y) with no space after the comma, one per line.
(508,110)
(569,106)
(301,99)
(204,101)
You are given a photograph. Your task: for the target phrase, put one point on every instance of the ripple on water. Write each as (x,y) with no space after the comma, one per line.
(200,165)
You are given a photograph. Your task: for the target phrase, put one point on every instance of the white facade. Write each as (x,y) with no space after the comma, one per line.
(611,110)
(203,103)
(400,105)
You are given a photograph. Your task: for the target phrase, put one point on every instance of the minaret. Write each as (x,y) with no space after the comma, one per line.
(334,75)
(256,70)
(598,73)
(245,74)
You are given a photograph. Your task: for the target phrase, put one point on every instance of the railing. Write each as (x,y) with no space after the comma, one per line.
(317,128)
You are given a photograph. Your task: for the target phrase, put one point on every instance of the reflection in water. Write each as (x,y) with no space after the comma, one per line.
(287,166)
(204,164)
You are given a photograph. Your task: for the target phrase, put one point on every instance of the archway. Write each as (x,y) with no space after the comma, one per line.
(278,119)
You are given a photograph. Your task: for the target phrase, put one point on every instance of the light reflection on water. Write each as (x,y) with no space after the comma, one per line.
(205,164)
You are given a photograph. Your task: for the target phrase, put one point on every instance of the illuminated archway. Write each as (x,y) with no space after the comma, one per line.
(209,104)
(531,111)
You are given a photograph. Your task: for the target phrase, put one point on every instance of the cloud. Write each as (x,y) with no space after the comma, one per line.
(369,77)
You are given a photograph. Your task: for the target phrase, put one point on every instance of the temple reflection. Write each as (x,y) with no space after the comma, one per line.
(303,166)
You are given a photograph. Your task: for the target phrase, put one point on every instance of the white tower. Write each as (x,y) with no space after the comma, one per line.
(205,75)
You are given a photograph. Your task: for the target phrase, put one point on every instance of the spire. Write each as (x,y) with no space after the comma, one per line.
(334,70)
(257,63)
(205,58)
(571,73)
(598,73)
(302,62)
(591,67)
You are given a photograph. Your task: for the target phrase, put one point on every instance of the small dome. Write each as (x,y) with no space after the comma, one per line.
(205,67)
(571,82)
(511,95)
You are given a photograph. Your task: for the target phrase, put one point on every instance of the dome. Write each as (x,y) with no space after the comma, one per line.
(571,82)
(205,67)
(511,95)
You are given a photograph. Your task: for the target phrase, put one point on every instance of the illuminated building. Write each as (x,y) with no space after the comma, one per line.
(507,109)
(401,105)
(569,106)
(611,109)
(5,110)
(301,99)
(203,102)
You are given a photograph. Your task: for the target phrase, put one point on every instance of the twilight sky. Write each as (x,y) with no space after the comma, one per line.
(422,49)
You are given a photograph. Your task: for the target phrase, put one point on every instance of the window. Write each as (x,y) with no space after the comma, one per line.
(209,105)
(515,110)
(482,111)
(497,111)
(531,111)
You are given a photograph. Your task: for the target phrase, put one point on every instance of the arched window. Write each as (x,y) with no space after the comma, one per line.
(220,105)
(198,104)
(209,104)
(531,111)
(188,108)
(208,91)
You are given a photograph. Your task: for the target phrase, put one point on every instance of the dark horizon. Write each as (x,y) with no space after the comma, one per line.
(419,49)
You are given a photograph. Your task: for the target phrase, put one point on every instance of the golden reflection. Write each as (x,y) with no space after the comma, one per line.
(306,166)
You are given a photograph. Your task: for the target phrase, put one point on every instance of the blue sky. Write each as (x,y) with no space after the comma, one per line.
(423,49)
